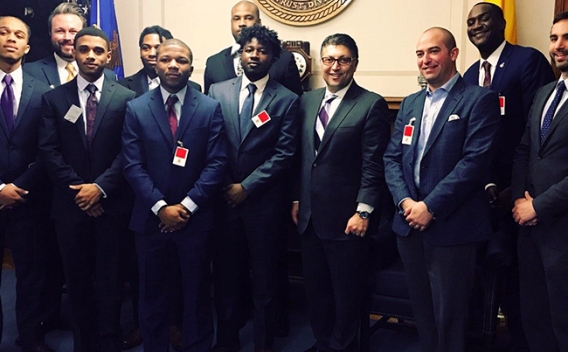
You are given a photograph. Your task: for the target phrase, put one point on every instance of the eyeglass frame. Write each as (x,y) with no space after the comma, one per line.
(338,60)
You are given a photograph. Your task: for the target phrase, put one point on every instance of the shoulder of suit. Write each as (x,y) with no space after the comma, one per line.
(228,84)
(217,56)
(41,86)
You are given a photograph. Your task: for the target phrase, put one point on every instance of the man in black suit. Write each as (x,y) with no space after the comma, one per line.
(540,190)
(226,64)
(22,182)
(343,133)
(262,141)
(516,73)
(80,143)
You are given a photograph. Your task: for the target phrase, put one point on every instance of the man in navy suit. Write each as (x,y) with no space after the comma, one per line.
(22,182)
(175,156)
(540,190)
(262,140)
(435,165)
(80,143)
(515,73)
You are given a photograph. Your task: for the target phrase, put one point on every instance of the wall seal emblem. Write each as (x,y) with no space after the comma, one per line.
(302,12)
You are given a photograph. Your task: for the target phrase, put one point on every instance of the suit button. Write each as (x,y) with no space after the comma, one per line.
(539,158)
(315,164)
(11,147)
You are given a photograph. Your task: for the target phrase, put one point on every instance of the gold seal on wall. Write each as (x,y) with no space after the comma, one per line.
(302,12)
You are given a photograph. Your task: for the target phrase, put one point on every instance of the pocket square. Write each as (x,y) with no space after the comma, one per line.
(453,117)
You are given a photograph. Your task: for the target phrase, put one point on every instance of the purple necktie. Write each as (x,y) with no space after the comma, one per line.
(547,121)
(487,80)
(92,104)
(171,112)
(7,102)
(323,113)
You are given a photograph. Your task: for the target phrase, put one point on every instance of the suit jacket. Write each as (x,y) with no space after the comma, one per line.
(149,150)
(46,71)
(71,160)
(261,158)
(19,148)
(348,168)
(455,160)
(138,83)
(220,67)
(543,172)
(518,76)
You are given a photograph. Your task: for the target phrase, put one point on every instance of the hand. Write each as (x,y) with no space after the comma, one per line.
(11,195)
(417,214)
(89,194)
(357,226)
(523,211)
(235,194)
(294,212)
(173,217)
(493,194)
(95,211)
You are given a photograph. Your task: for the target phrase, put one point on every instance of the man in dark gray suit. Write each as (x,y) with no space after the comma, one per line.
(343,133)
(260,122)
(540,190)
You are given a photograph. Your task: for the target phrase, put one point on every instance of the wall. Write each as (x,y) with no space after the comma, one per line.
(386,33)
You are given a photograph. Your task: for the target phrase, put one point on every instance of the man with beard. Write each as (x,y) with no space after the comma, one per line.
(516,73)
(540,190)
(80,144)
(260,120)
(63,23)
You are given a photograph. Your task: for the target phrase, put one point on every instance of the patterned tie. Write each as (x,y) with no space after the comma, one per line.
(172,117)
(7,102)
(92,104)
(487,80)
(547,121)
(71,69)
(324,111)
(246,110)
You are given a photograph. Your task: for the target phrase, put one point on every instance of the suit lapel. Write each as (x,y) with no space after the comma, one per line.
(159,113)
(106,97)
(50,71)
(267,96)
(232,117)
(27,91)
(187,111)
(558,117)
(417,112)
(312,109)
(501,68)
(72,98)
(141,81)
(229,66)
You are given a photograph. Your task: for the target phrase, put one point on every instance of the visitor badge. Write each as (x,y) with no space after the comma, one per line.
(408,132)
(261,119)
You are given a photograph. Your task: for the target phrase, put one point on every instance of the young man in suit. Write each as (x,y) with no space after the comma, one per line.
(435,165)
(344,130)
(515,73)
(539,188)
(22,182)
(80,143)
(260,122)
(226,64)
(175,157)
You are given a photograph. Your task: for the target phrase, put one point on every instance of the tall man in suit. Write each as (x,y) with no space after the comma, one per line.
(343,133)
(435,165)
(22,182)
(260,121)
(515,73)
(175,157)
(226,64)
(80,143)
(539,188)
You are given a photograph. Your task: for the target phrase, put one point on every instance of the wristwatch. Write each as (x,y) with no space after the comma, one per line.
(363,214)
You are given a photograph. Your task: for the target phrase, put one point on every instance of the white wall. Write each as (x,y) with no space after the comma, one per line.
(386,33)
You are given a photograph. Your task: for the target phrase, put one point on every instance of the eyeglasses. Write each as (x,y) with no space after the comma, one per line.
(342,61)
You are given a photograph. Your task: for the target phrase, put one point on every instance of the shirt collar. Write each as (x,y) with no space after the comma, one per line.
(493,59)
(260,84)
(180,94)
(235,48)
(62,63)
(340,93)
(446,87)
(17,76)
(83,83)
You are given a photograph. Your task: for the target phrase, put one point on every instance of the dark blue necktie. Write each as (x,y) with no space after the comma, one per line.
(560,88)
(246,110)
(7,102)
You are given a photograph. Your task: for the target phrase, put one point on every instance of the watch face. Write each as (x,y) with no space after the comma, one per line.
(363,214)
(300,62)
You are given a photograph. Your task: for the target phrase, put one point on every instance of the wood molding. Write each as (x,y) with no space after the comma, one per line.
(394,102)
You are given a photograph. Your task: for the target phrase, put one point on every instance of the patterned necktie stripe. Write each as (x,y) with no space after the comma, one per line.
(92,104)
(547,121)
(171,112)
(487,79)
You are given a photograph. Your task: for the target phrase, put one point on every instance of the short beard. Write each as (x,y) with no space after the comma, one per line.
(57,49)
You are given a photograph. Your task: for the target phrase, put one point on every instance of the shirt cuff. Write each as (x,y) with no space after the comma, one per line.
(490,185)
(189,205)
(101,189)
(159,204)
(2,186)
(365,207)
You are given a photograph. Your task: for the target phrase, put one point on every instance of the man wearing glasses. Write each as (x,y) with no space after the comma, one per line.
(344,132)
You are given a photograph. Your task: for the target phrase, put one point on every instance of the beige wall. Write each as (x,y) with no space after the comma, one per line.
(385,31)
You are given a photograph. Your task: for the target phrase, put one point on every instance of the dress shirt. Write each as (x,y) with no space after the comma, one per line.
(493,59)
(62,71)
(551,98)
(153,82)
(17,84)
(236,57)
(244,92)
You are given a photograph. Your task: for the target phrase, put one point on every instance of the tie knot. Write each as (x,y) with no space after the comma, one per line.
(486,65)
(251,88)
(7,79)
(172,99)
(70,68)
(330,98)
(91,88)
(561,86)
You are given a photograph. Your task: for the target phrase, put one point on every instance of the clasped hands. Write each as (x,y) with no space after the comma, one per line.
(11,196)
(355,225)
(173,217)
(417,215)
(87,199)
(234,194)
(523,211)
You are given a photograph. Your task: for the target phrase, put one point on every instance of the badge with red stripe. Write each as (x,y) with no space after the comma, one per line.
(261,119)
(408,132)
(180,156)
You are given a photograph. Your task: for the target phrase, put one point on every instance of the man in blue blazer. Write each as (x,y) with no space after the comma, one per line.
(515,73)
(262,141)
(435,165)
(540,191)
(24,218)
(174,158)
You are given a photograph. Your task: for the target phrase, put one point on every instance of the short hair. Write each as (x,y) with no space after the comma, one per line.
(94,32)
(448,38)
(496,10)
(560,17)
(161,32)
(264,36)
(67,8)
(175,41)
(341,39)
(28,29)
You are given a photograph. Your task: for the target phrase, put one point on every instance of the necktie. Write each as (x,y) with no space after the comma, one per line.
(172,117)
(7,102)
(487,80)
(324,111)
(71,69)
(92,104)
(560,88)
(246,110)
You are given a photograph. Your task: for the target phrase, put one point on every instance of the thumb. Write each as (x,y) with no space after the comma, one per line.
(527,195)
(21,191)
(75,187)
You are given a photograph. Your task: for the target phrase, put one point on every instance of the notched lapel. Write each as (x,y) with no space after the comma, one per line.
(159,113)
(232,117)
(106,97)
(188,109)
(27,92)
(311,116)
(558,117)
(501,68)
(267,96)
(72,97)
(345,106)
